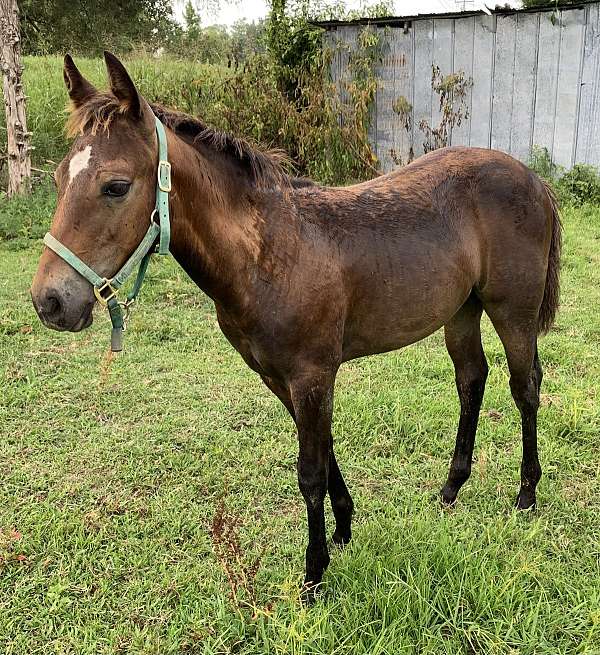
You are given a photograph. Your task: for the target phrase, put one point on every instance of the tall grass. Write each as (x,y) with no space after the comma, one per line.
(183,85)
(324,135)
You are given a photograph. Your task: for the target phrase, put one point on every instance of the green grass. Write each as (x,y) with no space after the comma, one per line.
(112,470)
(184,85)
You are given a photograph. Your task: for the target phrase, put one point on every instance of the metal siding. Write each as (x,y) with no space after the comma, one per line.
(443,50)
(422,94)
(524,86)
(569,70)
(385,98)
(403,86)
(534,82)
(463,63)
(588,134)
(547,76)
(483,70)
(504,82)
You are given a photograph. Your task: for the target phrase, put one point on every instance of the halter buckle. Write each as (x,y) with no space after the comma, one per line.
(105,286)
(164,175)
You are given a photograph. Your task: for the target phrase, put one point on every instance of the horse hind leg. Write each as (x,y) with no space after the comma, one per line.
(519,338)
(341,501)
(463,341)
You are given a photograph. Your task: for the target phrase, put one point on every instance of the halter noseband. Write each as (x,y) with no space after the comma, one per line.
(106,289)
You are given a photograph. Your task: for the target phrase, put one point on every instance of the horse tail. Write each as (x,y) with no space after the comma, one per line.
(552,290)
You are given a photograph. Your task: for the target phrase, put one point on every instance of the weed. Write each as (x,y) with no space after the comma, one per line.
(241,574)
(451,90)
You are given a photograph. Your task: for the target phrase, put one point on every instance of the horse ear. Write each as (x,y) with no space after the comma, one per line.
(123,87)
(80,90)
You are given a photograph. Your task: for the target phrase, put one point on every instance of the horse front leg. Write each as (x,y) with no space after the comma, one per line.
(341,501)
(312,399)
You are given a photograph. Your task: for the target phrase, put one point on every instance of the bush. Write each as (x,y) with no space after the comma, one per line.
(575,187)
(541,162)
(327,138)
(580,185)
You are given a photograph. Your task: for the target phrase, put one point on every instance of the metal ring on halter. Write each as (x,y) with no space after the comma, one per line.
(126,306)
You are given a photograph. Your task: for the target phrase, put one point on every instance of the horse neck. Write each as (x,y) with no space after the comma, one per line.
(215,233)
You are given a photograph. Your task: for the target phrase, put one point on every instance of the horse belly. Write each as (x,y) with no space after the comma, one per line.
(390,312)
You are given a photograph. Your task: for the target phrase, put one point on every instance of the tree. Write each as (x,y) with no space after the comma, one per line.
(18,148)
(191,21)
(90,26)
(247,39)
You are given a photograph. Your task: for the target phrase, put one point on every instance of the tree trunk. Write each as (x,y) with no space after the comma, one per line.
(19,163)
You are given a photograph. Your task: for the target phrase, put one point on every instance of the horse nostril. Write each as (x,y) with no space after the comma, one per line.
(52,306)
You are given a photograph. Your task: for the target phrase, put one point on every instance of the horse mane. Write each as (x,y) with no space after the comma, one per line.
(265,168)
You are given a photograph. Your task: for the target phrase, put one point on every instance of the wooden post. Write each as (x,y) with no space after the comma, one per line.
(19,162)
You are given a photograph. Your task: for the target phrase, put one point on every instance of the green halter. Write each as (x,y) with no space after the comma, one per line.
(106,289)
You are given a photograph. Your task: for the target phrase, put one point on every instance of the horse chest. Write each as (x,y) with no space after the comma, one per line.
(239,337)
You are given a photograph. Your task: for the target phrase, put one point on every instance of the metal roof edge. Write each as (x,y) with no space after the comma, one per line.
(400,20)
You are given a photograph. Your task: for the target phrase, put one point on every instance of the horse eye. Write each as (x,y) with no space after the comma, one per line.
(116,189)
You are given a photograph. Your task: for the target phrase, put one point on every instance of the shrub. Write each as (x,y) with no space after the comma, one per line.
(541,162)
(325,135)
(580,185)
(575,187)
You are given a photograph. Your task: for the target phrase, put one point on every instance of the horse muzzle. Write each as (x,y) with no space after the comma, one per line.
(58,311)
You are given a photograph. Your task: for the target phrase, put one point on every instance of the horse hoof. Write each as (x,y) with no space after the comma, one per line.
(448,498)
(308,595)
(525,501)
(340,540)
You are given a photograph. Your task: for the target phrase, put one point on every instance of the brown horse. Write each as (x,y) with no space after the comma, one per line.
(306,277)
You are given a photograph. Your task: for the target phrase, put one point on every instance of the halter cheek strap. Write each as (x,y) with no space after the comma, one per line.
(106,289)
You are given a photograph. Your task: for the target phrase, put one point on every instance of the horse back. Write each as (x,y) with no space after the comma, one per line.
(412,245)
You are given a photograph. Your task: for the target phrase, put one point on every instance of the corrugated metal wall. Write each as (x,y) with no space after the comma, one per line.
(536,81)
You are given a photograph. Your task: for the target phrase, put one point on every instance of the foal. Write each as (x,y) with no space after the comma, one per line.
(305,277)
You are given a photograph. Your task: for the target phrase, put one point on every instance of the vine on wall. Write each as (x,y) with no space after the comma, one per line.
(452,90)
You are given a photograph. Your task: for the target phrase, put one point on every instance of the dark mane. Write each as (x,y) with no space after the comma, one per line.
(265,168)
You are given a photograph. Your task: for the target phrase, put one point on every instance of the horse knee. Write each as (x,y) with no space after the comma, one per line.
(312,482)
(470,383)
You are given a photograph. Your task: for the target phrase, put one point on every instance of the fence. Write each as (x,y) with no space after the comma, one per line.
(536,80)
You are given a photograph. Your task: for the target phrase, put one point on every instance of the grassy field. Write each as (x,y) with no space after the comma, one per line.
(185,85)
(112,471)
